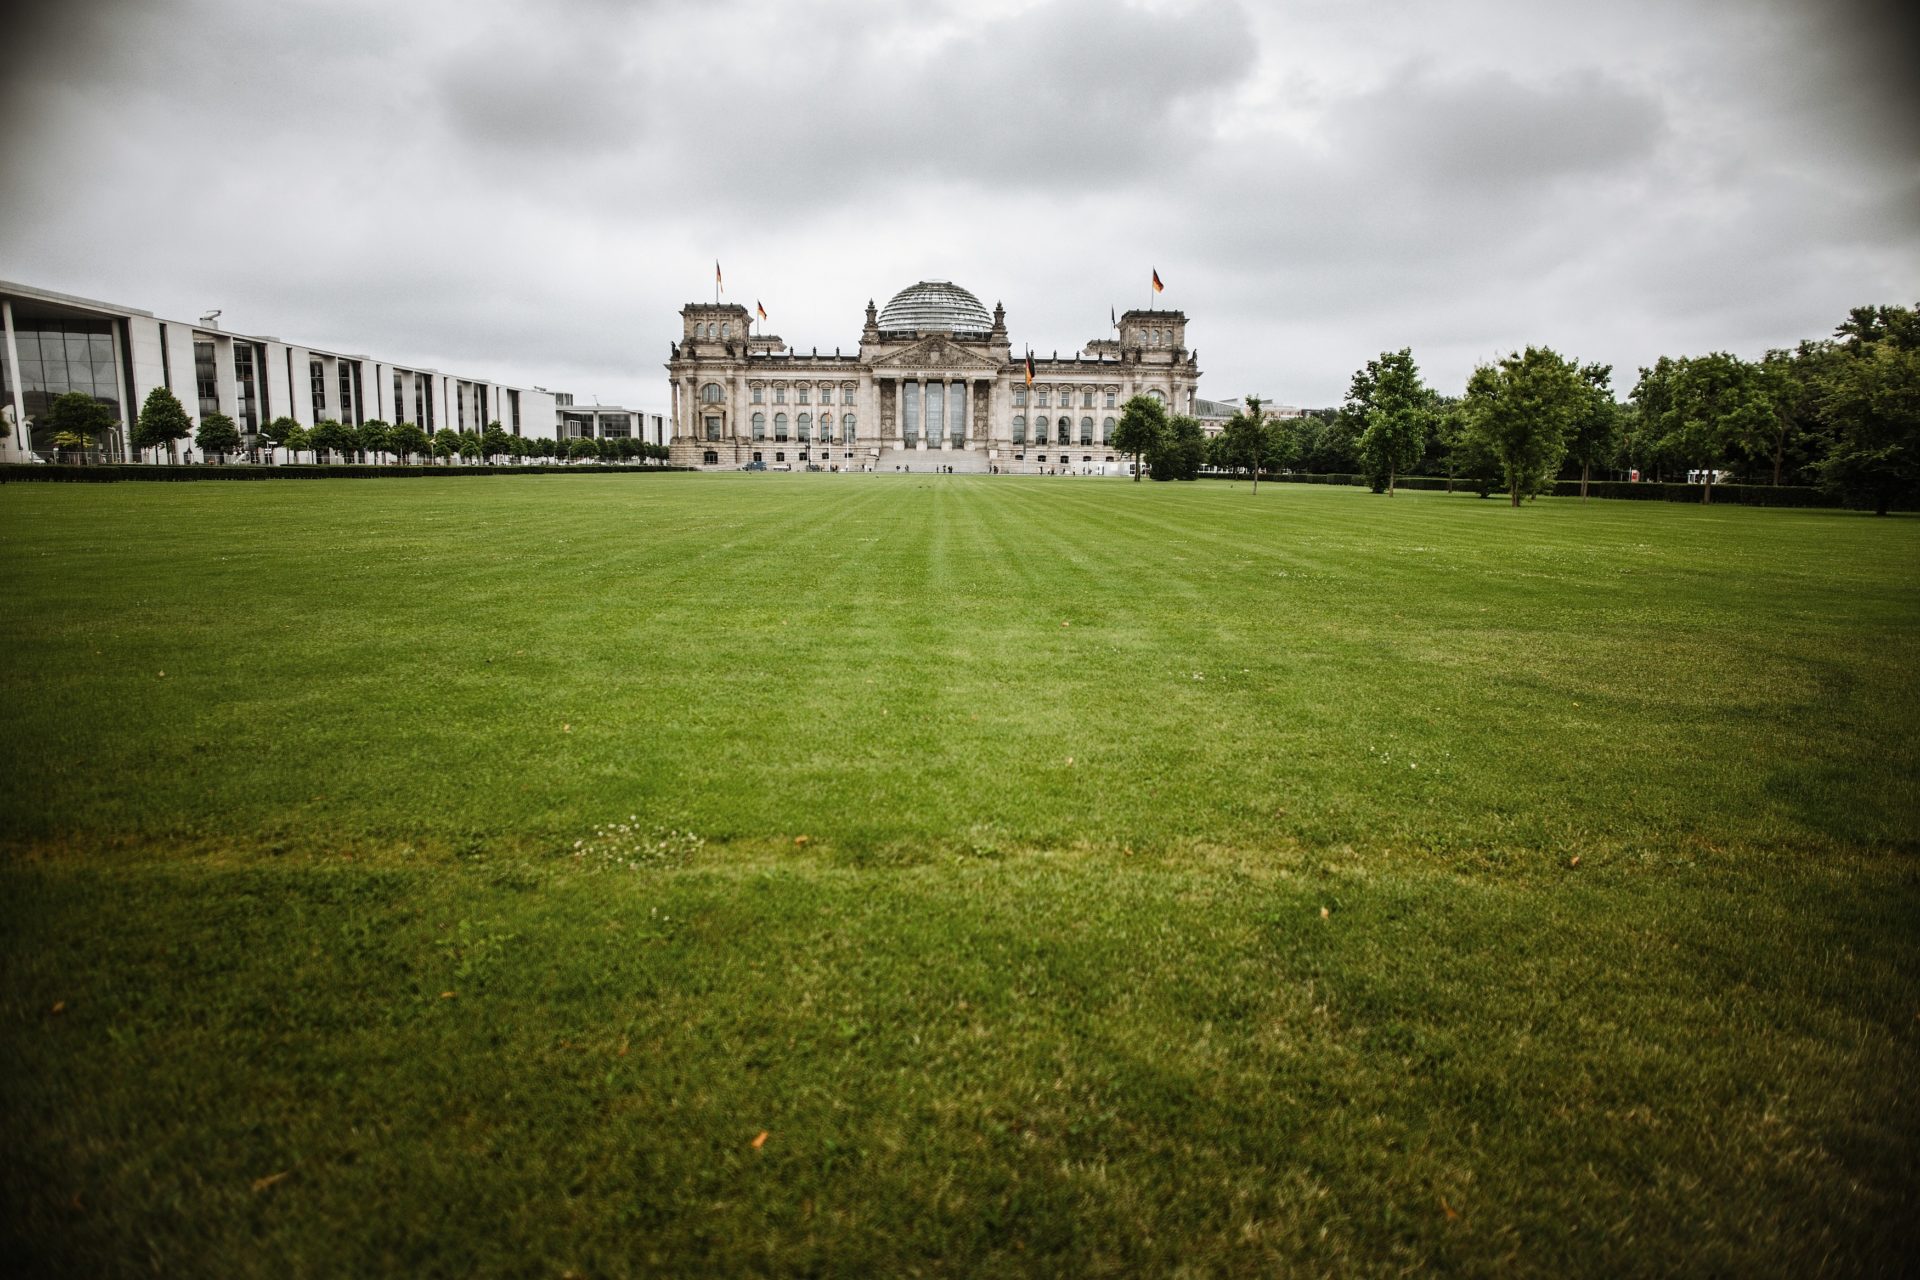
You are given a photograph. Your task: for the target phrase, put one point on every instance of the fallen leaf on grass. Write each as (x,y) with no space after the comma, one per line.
(1574,861)
(803,839)
(622,1051)
(566,728)
(261,1184)
(59,1006)
(446,995)
(1449,1208)
(1324,913)
(760,1141)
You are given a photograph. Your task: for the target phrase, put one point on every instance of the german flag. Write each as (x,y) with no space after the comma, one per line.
(1157,286)
(718,283)
(1029,368)
(761,309)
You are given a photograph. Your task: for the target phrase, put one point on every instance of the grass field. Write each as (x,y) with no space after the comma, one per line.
(1088,878)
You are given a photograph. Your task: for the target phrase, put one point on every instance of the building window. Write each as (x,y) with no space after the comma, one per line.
(1086,398)
(459,405)
(757,457)
(779,426)
(846,394)
(317,380)
(779,455)
(1155,393)
(1106,430)
(759,394)
(713,427)
(1110,398)
(1040,398)
(846,430)
(910,411)
(805,425)
(399,398)
(513,404)
(1063,431)
(615,426)
(243,381)
(711,393)
(936,413)
(710,457)
(780,393)
(800,394)
(1019,428)
(206,376)
(1086,432)
(1019,397)
(759,426)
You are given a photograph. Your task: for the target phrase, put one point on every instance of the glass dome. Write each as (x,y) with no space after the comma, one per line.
(937,305)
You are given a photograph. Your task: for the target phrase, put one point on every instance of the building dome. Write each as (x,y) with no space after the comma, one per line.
(935,304)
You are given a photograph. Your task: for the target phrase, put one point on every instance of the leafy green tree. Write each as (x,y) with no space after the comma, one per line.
(76,421)
(582,447)
(1463,453)
(1182,450)
(408,440)
(1142,429)
(1396,410)
(217,436)
(1871,401)
(1594,433)
(1713,408)
(277,432)
(1250,441)
(296,439)
(493,441)
(469,445)
(1521,411)
(330,436)
(446,444)
(376,437)
(163,421)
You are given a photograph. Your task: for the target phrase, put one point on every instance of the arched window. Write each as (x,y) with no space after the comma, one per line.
(711,393)
(779,426)
(806,427)
(1086,431)
(726,330)
(1019,428)
(846,428)
(1106,430)
(1157,394)
(1063,430)
(759,426)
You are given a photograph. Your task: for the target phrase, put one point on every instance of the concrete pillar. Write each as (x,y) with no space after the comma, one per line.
(17,442)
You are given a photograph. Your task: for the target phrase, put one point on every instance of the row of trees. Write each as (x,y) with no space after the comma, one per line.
(163,422)
(1842,412)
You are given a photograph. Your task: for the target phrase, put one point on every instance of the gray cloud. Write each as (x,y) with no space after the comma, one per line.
(534,190)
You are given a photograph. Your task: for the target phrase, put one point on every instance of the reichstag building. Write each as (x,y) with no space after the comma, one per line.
(934,385)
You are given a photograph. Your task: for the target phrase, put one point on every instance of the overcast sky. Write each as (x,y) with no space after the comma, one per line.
(531,191)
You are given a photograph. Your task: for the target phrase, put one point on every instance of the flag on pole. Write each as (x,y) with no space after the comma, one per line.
(718,283)
(1157,286)
(1113,318)
(761,309)
(1029,368)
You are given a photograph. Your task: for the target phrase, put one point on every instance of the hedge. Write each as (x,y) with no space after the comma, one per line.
(1750,495)
(114,471)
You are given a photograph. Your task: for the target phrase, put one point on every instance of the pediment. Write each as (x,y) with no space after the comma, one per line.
(936,352)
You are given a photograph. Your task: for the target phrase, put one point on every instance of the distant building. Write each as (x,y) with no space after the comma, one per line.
(609,422)
(55,343)
(934,383)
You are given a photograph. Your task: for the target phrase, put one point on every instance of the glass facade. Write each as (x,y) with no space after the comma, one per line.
(248,401)
(615,426)
(936,414)
(61,355)
(957,414)
(513,404)
(206,376)
(399,398)
(910,411)
(317,381)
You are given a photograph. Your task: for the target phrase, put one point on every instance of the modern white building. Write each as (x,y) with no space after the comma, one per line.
(56,343)
(609,422)
(935,383)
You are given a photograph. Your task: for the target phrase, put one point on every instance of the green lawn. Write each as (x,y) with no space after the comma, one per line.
(1093,878)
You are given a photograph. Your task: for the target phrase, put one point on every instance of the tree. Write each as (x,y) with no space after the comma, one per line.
(76,421)
(296,439)
(1250,441)
(446,443)
(469,445)
(1181,452)
(493,441)
(408,440)
(1142,427)
(1712,408)
(1594,432)
(583,447)
(330,436)
(1464,454)
(376,437)
(217,435)
(1521,411)
(163,420)
(278,432)
(1395,408)
(1871,401)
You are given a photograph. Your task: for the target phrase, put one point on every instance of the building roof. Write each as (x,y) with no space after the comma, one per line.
(935,305)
